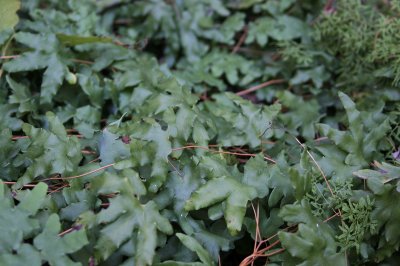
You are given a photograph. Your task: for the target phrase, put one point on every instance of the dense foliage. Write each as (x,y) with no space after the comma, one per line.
(180,132)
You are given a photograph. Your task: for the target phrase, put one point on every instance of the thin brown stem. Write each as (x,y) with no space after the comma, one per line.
(275,252)
(222,152)
(260,86)
(317,165)
(241,41)
(8,56)
(12,183)
(81,175)
(66,232)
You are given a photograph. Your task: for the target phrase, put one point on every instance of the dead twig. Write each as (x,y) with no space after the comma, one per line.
(260,86)
(241,40)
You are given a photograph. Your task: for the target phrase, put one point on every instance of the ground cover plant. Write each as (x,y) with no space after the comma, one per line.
(209,132)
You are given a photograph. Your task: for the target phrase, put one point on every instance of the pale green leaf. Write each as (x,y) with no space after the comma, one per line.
(8,13)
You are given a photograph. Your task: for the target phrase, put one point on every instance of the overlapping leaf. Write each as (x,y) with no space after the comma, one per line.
(45,55)
(22,225)
(128,220)
(234,193)
(314,242)
(161,172)
(361,141)
(48,152)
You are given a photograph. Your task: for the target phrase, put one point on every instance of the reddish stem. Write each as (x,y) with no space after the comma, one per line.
(260,86)
(81,175)
(222,152)
(241,41)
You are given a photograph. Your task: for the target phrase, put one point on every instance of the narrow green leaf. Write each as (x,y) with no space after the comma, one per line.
(77,39)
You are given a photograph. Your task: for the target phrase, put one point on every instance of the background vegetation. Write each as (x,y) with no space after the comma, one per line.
(206,132)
